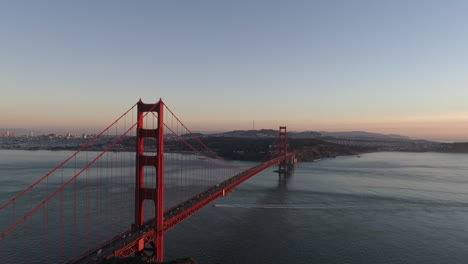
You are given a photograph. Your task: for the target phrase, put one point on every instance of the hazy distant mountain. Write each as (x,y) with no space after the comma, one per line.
(362,135)
(311,134)
(267,133)
(305,134)
(249,133)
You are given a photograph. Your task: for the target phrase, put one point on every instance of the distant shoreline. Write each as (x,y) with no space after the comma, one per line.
(247,148)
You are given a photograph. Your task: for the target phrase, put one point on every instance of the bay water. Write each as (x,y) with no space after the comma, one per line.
(387,207)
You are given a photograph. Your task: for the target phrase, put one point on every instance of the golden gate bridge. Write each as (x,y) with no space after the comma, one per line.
(105,188)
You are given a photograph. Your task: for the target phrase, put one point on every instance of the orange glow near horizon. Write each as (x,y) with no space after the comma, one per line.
(436,127)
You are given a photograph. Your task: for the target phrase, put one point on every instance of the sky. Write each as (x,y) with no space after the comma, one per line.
(335,65)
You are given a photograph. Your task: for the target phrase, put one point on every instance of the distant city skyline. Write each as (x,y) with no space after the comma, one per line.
(391,67)
(93,132)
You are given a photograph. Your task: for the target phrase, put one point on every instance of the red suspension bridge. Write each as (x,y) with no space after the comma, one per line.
(72,213)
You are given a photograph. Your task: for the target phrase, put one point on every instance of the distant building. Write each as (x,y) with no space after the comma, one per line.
(8,134)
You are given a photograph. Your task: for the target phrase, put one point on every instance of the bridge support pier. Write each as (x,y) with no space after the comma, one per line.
(286,166)
(143,193)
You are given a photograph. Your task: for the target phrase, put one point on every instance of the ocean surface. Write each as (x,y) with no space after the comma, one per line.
(377,208)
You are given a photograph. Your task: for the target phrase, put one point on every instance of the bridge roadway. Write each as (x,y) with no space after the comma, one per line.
(129,242)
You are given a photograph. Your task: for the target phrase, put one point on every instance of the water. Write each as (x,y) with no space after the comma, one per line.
(379,208)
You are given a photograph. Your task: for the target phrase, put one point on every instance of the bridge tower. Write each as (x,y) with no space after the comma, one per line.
(285,166)
(142,192)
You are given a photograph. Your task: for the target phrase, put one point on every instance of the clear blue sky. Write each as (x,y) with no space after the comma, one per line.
(382,66)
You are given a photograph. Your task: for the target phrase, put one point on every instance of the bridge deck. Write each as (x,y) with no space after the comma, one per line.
(127,243)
